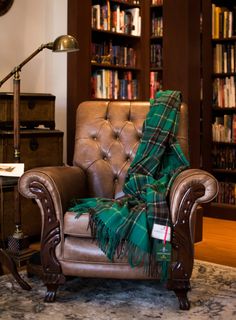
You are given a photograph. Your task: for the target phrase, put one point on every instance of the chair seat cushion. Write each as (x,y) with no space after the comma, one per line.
(77,227)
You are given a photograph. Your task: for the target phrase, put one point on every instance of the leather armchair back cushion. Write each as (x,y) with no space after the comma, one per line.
(106,140)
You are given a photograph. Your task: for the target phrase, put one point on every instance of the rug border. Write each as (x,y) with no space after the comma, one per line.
(215,264)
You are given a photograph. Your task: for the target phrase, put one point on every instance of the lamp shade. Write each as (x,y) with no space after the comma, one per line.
(65,43)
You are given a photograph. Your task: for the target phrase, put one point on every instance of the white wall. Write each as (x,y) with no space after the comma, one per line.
(27,25)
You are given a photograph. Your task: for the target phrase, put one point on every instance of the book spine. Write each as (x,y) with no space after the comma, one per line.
(223,22)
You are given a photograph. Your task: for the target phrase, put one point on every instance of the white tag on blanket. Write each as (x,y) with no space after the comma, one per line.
(161,232)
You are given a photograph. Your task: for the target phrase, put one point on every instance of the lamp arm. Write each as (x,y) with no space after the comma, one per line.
(18,68)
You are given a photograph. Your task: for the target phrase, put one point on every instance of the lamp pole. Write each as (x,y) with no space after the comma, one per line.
(18,234)
(18,241)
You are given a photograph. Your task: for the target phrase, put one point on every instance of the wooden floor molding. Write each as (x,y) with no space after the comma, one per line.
(219,242)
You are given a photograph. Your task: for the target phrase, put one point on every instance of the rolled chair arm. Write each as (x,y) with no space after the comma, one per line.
(202,185)
(62,183)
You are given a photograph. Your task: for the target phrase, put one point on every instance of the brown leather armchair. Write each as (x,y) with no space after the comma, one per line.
(107,136)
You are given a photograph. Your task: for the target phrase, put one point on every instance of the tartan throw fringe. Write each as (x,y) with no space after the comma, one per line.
(123,227)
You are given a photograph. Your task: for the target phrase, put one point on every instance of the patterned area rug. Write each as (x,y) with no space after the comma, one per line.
(213,296)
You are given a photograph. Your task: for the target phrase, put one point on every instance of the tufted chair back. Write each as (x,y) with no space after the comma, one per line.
(107,137)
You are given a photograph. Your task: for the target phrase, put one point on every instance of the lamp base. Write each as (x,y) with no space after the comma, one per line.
(15,245)
(18,249)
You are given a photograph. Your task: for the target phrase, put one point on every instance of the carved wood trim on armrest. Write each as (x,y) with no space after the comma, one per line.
(50,236)
(182,245)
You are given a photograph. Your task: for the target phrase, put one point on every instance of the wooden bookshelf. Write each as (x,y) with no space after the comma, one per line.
(156,47)
(180,57)
(219,104)
(86,69)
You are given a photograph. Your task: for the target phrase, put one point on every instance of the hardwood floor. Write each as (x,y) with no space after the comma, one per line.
(219,242)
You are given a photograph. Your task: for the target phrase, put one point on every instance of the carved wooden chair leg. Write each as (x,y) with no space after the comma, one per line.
(8,261)
(50,295)
(184,303)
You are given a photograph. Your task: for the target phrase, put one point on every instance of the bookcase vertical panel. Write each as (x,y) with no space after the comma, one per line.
(181,62)
(78,64)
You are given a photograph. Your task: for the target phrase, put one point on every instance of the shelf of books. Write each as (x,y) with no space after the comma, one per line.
(156,46)
(122,50)
(224,100)
(115,59)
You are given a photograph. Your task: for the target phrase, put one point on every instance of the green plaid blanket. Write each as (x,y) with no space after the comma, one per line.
(124,226)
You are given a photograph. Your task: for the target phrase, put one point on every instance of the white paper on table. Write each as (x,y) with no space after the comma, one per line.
(11,169)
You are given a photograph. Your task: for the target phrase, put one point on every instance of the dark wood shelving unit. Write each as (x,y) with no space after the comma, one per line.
(129,3)
(220,211)
(114,34)
(181,58)
(224,143)
(112,66)
(223,74)
(156,69)
(156,48)
(210,111)
(226,171)
(219,40)
(182,61)
(156,38)
(224,110)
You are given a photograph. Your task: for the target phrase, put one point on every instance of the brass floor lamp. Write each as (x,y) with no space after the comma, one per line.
(64,43)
